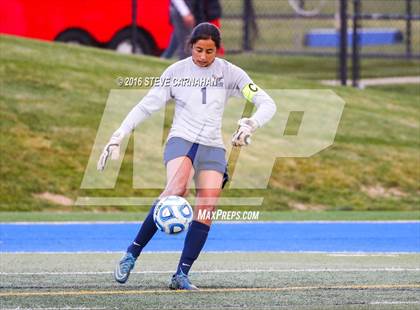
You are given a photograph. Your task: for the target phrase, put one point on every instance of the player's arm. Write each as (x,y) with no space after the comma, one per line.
(155,99)
(266,108)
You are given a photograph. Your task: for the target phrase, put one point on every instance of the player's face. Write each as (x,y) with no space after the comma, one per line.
(204,52)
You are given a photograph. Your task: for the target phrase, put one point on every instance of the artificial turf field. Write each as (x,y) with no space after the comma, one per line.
(227,281)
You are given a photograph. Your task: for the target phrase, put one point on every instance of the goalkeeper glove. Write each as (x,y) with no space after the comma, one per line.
(111,149)
(242,136)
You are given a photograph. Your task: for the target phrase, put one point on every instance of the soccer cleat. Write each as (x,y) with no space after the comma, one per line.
(181,282)
(124,267)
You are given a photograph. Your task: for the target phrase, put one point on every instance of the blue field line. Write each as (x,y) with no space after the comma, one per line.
(368,237)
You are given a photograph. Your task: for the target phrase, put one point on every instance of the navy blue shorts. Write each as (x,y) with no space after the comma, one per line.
(203,157)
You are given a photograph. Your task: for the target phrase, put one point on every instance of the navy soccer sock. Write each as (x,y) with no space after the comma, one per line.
(194,242)
(146,232)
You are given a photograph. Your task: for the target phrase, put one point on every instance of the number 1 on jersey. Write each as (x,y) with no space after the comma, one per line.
(203,93)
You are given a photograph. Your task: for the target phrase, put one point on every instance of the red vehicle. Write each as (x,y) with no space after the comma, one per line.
(102,23)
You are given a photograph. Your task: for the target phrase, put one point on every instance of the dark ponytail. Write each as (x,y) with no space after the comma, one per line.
(205,31)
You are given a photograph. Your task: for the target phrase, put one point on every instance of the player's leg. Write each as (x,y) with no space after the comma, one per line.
(179,155)
(209,187)
(179,173)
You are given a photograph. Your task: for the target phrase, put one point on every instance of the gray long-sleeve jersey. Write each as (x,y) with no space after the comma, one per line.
(200,95)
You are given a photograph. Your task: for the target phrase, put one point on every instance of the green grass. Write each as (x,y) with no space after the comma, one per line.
(53,96)
(226,280)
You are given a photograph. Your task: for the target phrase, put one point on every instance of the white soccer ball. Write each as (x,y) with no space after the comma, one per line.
(172,214)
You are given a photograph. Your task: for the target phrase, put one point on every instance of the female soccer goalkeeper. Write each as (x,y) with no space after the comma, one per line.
(194,147)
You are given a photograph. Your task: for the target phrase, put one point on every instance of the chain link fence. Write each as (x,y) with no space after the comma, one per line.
(389,28)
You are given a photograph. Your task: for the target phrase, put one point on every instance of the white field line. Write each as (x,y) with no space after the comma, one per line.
(307,270)
(218,222)
(360,254)
(395,303)
(328,253)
